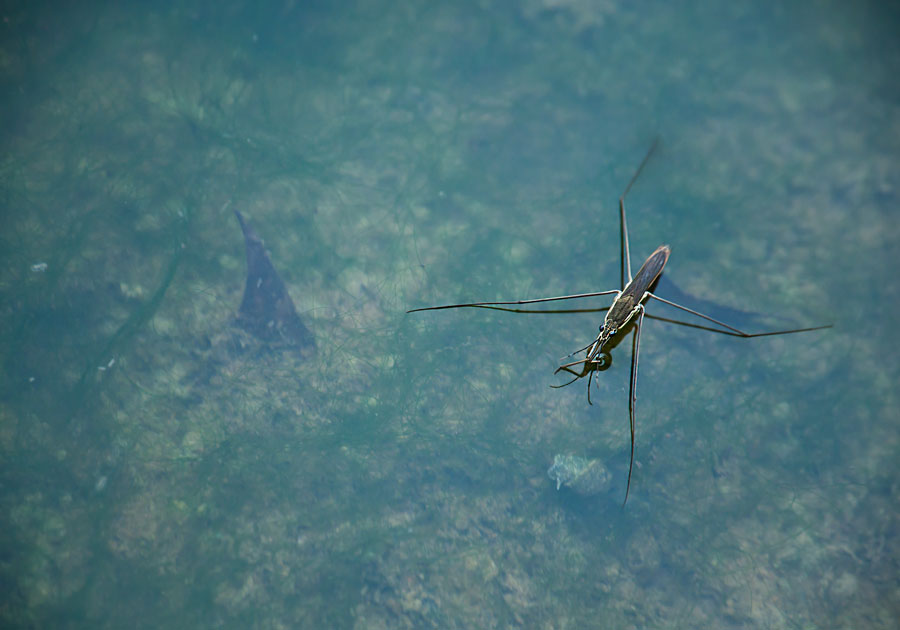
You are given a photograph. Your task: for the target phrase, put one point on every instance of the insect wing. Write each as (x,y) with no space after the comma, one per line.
(648,272)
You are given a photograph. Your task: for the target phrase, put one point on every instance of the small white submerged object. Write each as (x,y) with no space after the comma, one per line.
(39,267)
(584,476)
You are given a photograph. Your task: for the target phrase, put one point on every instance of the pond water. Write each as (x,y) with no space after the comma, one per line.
(161,467)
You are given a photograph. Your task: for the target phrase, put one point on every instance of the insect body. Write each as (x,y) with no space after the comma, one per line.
(628,302)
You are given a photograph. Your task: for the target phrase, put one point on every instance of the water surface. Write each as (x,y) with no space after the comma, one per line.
(157,473)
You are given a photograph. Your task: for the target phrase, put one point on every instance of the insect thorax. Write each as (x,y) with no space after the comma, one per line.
(620,312)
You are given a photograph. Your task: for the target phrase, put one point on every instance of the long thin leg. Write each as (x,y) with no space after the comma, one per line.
(632,393)
(567,383)
(577,376)
(549,299)
(568,365)
(709,328)
(626,252)
(579,350)
(735,331)
(544,311)
(590,377)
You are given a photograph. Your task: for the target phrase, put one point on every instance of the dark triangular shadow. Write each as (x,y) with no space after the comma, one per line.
(267,311)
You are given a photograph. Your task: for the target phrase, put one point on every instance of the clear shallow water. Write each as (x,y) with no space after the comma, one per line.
(395,157)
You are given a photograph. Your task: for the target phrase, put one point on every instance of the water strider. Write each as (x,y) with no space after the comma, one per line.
(628,303)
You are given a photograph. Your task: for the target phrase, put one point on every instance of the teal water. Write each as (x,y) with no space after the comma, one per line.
(396,155)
